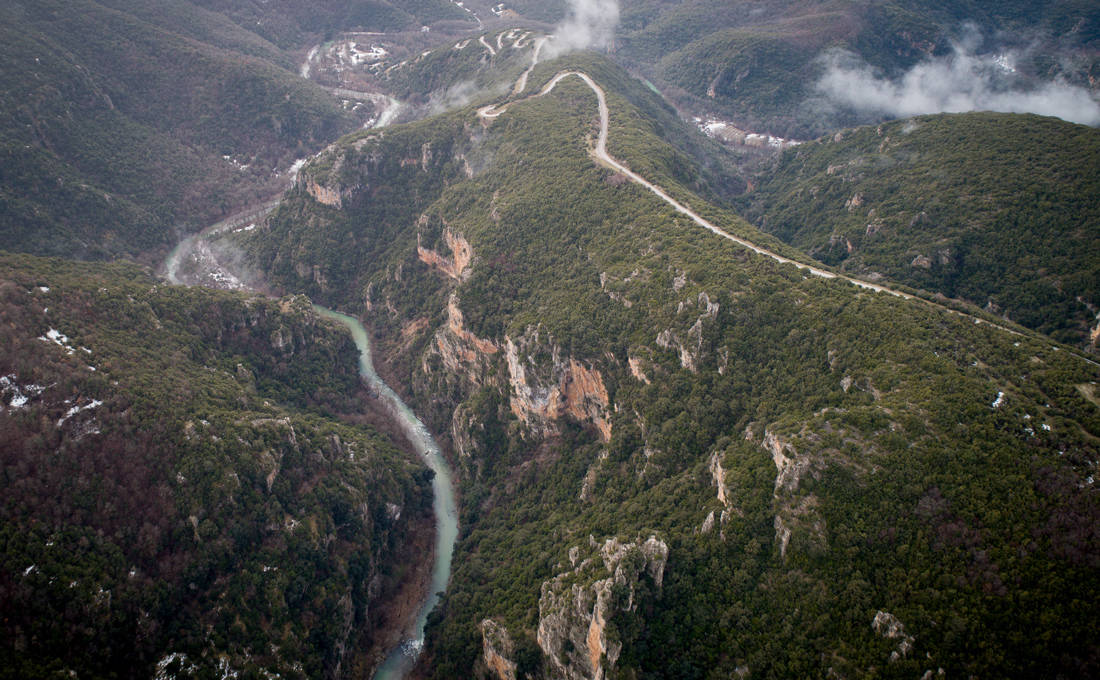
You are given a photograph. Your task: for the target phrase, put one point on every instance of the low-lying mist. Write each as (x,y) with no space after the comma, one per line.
(961,81)
(589,24)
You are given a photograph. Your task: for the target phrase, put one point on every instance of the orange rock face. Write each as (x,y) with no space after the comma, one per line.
(584,396)
(454,266)
(579,392)
(323,194)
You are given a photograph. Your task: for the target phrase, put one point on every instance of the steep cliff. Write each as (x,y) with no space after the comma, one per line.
(576,609)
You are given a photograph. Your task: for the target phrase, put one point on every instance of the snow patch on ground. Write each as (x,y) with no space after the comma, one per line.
(57,337)
(236,163)
(226,670)
(185,666)
(94,403)
(999,401)
(20,394)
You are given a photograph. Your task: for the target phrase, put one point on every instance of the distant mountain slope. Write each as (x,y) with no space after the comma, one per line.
(124,123)
(997,209)
(177,495)
(679,458)
(758,62)
(287,22)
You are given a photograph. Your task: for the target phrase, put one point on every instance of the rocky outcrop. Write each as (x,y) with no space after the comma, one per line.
(322,194)
(788,464)
(888,626)
(573,390)
(690,346)
(614,295)
(496,648)
(791,509)
(463,420)
(454,266)
(462,352)
(577,608)
(719,475)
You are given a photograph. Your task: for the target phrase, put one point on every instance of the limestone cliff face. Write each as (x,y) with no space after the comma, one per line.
(718,473)
(571,388)
(462,352)
(496,647)
(793,510)
(789,465)
(577,608)
(323,194)
(454,266)
(888,626)
(690,343)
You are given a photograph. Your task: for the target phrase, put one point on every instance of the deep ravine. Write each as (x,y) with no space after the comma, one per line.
(401,659)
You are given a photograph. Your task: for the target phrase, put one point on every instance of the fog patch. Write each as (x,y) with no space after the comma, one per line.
(589,24)
(461,94)
(958,82)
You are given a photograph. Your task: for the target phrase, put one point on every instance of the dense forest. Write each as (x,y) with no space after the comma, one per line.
(997,209)
(178,491)
(675,457)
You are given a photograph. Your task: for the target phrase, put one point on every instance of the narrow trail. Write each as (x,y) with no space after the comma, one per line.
(604,158)
(521,82)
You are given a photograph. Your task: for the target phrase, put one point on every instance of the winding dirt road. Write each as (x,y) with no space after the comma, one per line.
(602,157)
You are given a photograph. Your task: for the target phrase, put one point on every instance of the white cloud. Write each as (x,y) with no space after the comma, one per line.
(589,24)
(961,81)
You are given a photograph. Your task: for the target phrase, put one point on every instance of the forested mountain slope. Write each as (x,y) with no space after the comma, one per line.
(288,22)
(997,209)
(759,62)
(680,458)
(125,123)
(177,494)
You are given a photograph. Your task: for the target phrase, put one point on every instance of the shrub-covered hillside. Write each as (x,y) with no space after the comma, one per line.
(679,458)
(177,495)
(997,209)
(758,62)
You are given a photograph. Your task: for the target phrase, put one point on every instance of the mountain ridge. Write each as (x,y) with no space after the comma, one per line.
(561,407)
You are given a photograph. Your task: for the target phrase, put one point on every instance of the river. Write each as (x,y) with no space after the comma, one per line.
(401,659)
